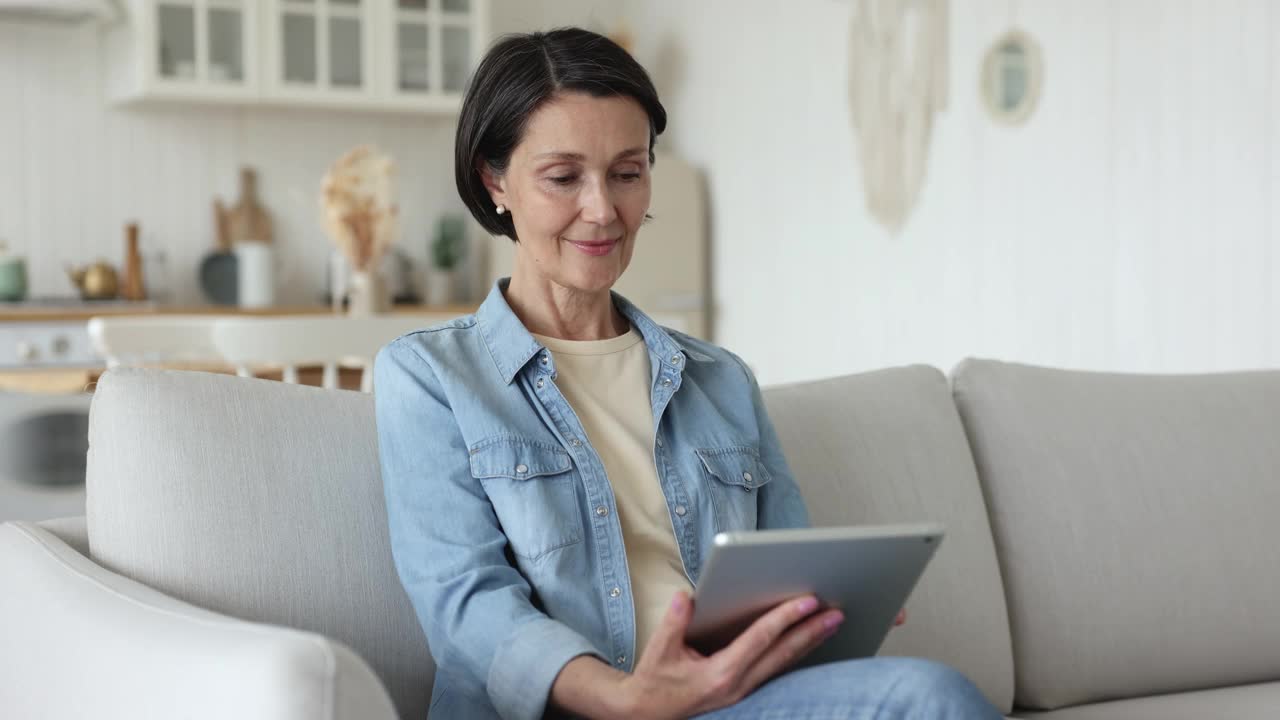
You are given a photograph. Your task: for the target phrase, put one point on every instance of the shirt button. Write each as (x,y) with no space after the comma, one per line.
(675,359)
(746,476)
(602,511)
(522,468)
(659,442)
(575,442)
(622,660)
(615,593)
(539,383)
(666,382)
(544,360)
(681,510)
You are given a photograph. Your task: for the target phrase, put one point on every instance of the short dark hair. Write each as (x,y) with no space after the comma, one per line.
(518,75)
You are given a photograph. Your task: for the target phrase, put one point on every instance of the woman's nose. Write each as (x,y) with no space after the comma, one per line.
(597,204)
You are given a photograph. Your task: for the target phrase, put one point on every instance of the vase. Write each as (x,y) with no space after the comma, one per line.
(366,293)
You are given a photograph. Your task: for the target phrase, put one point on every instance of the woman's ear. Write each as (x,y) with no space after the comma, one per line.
(493,183)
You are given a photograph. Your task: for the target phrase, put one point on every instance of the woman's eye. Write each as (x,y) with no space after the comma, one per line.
(629,177)
(564,179)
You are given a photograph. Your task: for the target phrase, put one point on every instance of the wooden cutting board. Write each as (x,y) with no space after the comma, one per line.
(248,220)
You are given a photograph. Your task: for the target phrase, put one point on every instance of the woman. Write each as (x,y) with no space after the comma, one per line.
(556,465)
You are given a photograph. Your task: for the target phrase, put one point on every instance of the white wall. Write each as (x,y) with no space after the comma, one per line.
(1131,225)
(74,170)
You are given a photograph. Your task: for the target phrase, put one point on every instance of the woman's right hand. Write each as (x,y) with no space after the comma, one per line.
(672,680)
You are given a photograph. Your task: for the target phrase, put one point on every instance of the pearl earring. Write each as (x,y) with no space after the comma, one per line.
(501,209)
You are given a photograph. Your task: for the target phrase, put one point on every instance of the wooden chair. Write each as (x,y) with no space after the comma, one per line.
(154,339)
(327,341)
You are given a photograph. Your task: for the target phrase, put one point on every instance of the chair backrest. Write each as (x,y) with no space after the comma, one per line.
(327,341)
(148,339)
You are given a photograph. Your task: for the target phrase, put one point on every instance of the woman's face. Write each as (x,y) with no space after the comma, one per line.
(577,188)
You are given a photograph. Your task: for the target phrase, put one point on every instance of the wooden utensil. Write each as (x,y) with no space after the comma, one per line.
(248,220)
(133,288)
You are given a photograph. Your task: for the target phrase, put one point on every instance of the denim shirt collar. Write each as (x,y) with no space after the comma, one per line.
(512,346)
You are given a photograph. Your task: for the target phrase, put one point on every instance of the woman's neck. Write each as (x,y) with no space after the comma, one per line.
(546,308)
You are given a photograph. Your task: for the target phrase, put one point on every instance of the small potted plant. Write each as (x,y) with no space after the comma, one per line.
(448,249)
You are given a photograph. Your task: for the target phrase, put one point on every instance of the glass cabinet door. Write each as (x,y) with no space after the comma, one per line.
(176,40)
(225,23)
(322,44)
(201,42)
(413,44)
(434,46)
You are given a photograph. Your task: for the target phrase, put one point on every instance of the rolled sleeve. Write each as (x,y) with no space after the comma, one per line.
(527,664)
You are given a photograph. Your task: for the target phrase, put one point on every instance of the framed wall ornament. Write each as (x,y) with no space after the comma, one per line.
(1012,77)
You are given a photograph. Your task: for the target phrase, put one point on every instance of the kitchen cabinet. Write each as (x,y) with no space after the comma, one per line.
(320,51)
(431,48)
(184,50)
(410,56)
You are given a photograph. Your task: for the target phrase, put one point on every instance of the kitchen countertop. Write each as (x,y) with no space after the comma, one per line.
(71,380)
(22,312)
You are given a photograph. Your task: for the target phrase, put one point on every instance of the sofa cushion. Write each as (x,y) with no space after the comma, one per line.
(1135,522)
(1247,702)
(256,499)
(888,447)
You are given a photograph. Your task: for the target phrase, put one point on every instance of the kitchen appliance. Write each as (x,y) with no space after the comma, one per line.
(43,432)
(35,344)
(43,443)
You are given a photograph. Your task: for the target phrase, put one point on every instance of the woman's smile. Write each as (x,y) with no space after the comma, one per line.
(595,247)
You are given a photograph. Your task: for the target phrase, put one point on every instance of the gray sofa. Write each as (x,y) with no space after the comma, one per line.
(1110,552)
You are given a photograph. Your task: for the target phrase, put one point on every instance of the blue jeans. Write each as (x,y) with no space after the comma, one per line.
(883,688)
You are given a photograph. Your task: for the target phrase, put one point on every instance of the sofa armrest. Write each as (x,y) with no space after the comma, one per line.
(77,640)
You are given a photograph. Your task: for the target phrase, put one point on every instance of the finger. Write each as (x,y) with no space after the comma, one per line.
(902,617)
(793,646)
(670,631)
(747,648)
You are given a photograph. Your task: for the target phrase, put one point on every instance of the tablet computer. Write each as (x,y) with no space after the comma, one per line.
(866,571)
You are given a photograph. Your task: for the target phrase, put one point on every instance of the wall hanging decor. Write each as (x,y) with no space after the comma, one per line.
(898,65)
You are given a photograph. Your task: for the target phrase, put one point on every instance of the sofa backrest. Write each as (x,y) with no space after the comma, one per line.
(255,499)
(888,447)
(1135,522)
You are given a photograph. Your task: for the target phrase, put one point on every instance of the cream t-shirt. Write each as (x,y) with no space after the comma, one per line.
(607,384)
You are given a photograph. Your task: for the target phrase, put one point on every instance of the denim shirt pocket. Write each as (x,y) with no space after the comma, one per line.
(735,474)
(533,492)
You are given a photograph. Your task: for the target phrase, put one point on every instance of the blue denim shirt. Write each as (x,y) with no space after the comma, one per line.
(503,525)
